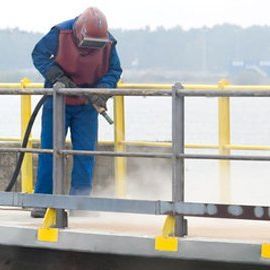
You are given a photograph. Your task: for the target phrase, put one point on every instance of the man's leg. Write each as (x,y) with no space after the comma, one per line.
(84,125)
(45,161)
(44,181)
(44,169)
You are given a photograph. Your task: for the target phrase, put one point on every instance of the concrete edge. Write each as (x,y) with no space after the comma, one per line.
(189,249)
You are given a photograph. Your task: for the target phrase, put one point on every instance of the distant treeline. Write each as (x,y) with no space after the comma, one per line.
(210,50)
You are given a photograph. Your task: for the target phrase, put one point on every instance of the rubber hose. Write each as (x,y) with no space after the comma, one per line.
(27,133)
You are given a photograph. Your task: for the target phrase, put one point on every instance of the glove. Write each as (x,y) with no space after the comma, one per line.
(58,85)
(99,100)
(56,74)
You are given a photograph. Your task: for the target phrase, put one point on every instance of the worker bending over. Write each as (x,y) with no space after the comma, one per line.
(77,53)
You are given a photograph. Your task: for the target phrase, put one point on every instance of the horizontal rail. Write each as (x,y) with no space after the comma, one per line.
(164,92)
(194,86)
(247,147)
(19,85)
(116,154)
(166,144)
(27,91)
(208,210)
(224,93)
(136,154)
(86,153)
(88,91)
(139,92)
(79,203)
(115,92)
(37,140)
(157,86)
(197,146)
(162,144)
(225,157)
(165,155)
(25,150)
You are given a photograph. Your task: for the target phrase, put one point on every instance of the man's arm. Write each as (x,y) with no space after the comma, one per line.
(110,79)
(44,52)
(43,57)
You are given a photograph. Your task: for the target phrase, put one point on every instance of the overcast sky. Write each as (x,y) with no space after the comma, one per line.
(36,15)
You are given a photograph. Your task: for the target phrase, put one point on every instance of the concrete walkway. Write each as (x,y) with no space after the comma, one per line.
(125,234)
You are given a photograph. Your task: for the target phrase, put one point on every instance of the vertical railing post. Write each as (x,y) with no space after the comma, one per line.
(58,159)
(27,165)
(119,137)
(178,145)
(224,139)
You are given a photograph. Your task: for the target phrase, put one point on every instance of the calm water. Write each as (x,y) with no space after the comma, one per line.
(150,119)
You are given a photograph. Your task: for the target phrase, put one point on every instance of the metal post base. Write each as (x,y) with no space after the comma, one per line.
(61,219)
(181,227)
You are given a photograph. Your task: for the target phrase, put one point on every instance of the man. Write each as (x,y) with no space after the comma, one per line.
(77,53)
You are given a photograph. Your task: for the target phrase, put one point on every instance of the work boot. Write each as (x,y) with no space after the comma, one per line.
(38,212)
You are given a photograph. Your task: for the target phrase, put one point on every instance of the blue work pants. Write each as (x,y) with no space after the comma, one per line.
(83,123)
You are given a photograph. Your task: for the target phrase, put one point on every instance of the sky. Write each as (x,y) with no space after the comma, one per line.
(39,16)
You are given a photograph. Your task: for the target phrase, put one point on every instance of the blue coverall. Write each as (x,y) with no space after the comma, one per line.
(81,119)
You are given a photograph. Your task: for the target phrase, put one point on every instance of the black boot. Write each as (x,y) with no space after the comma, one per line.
(38,212)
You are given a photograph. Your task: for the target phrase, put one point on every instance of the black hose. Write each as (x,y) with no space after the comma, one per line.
(24,144)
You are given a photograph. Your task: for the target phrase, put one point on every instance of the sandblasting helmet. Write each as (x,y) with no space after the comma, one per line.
(91,29)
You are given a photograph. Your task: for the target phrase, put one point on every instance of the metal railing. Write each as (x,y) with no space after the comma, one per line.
(224,145)
(177,208)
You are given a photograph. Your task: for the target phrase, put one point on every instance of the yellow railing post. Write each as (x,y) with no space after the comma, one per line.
(224,139)
(119,138)
(27,166)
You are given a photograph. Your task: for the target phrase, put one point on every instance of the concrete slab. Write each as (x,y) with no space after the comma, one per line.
(126,234)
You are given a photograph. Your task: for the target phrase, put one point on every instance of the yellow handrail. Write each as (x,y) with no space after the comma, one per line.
(159,86)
